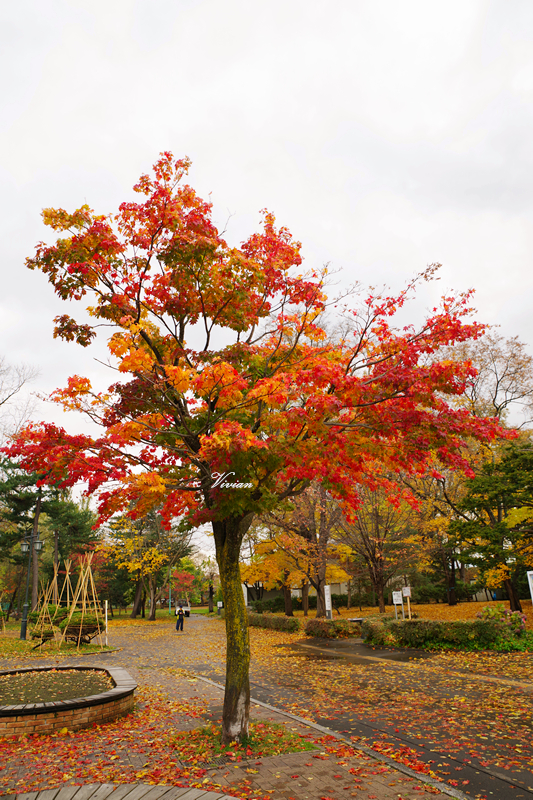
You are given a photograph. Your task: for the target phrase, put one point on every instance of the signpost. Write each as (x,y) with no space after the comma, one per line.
(397,599)
(219,606)
(406,592)
(327,600)
(530,581)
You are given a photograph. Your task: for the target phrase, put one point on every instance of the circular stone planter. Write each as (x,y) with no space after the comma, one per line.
(81,712)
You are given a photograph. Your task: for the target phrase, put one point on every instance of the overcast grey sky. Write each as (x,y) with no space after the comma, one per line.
(386,134)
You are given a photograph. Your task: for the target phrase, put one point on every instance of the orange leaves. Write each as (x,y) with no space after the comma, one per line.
(229,437)
(137,360)
(220,381)
(179,377)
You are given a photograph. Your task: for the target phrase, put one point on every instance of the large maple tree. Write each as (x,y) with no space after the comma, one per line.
(225,368)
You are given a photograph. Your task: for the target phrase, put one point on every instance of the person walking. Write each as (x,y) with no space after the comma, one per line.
(180,614)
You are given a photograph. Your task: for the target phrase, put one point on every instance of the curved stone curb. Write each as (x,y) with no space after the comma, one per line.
(124,791)
(76,713)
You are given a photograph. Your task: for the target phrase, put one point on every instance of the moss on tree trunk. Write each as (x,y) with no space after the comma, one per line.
(236,711)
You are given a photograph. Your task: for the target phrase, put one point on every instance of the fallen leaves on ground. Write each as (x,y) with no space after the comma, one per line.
(266,739)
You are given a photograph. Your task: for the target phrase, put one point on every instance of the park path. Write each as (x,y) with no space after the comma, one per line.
(170,663)
(473,730)
(412,710)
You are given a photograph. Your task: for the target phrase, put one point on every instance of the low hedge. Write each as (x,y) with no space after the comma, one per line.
(332,628)
(438,635)
(290,624)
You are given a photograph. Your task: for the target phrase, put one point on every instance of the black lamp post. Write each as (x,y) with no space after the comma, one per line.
(27,546)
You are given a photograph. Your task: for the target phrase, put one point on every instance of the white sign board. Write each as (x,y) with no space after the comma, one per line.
(397,598)
(530,581)
(327,597)
(220,604)
(406,591)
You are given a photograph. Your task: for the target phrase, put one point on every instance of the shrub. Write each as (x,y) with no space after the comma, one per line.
(332,628)
(339,600)
(488,634)
(274,623)
(273,604)
(513,620)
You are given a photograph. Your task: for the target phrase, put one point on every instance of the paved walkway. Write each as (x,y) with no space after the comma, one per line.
(331,772)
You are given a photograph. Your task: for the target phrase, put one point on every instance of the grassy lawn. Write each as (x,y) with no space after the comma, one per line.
(436,611)
(11,646)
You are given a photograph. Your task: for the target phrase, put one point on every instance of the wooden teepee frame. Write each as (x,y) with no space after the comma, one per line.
(85,599)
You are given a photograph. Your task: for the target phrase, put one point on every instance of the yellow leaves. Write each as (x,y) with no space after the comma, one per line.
(495,576)
(517,516)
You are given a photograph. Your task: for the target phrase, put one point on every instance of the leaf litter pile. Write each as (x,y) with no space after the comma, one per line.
(44,686)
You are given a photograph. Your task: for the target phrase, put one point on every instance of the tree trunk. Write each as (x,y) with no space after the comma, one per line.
(211,596)
(514,600)
(12,600)
(236,711)
(305,597)
(153,603)
(349,600)
(137,598)
(287,598)
(320,599)
(380,594)
(143,604)
(452,597)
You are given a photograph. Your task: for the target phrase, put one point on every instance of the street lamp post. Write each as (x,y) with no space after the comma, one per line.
(28,547)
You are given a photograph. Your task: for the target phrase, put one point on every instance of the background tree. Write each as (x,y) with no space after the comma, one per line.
(501,385)
(298,545)
(147,550)
(276,406)
(384,536)
(497,519)
(15,409)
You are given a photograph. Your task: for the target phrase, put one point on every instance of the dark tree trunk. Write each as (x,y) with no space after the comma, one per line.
(320,599)
(12,599)
(305,597)
(287,597)
(153,603)
(137,598)
(514,600)
(452,597)
(211,598)
(143,604)
(235,715)
(349,592)
(380,594)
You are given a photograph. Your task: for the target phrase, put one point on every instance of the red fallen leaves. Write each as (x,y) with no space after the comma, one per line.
(405,755)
